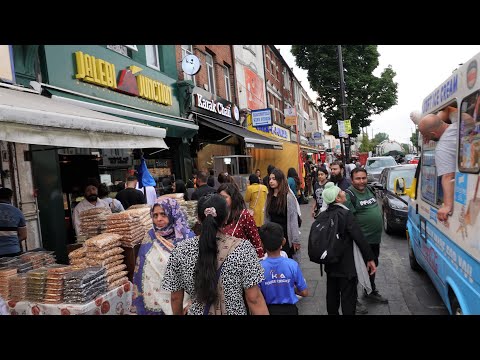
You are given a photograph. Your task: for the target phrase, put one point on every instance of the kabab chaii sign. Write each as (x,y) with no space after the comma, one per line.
(102,73)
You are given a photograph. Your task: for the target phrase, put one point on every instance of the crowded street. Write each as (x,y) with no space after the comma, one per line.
(408,292)
(239,180)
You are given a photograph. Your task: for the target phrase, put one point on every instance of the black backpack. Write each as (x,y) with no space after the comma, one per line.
(325,242)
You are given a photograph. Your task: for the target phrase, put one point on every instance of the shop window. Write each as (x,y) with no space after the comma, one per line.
(226,76)
(188,50)
(121,49)
(151,52)
(469,141)
(210,73)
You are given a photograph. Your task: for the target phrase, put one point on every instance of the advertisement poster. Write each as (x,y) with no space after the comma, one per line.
(255,92)
(428,183)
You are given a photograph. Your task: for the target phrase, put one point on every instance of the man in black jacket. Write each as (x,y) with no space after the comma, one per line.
(342,276)
(202,187)
(131,196)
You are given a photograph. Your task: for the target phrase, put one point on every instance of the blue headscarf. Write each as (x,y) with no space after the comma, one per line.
(177,228)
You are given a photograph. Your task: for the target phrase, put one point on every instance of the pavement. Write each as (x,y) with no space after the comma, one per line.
(408,292)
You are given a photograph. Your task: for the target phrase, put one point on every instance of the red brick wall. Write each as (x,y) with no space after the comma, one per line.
(222,55)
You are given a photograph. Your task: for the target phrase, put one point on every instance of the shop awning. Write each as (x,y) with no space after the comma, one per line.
(309,149)
(251,139)
(27,117)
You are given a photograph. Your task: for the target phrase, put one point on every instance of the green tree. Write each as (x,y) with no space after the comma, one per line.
(365,144)
(365,94)
(378,138)
(406,148)
(414,139)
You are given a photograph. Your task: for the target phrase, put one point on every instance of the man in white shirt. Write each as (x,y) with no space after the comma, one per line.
(433,127)
(91,200)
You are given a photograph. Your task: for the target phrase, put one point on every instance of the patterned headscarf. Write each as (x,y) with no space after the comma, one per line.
(177,228)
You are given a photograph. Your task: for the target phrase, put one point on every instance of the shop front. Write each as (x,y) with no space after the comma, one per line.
(43,128)
(284,159)
(220,134)
(131,84)
(126,84)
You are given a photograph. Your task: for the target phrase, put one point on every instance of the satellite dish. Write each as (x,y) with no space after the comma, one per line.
(190,64)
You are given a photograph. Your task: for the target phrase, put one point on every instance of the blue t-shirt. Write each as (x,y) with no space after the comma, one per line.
(292,184)
(281,274)
(11,219)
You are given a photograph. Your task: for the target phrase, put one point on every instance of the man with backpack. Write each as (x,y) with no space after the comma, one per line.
(336,242)
(361,200)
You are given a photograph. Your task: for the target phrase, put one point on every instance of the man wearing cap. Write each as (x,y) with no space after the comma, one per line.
(342,276)
(13,229)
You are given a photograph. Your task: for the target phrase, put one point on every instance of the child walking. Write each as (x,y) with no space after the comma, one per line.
(283,276)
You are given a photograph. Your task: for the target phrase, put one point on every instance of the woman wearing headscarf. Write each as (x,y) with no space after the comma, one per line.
(240,223)
(214,268)
(169,228)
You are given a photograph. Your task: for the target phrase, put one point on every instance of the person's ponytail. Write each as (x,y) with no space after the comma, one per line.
(212,211)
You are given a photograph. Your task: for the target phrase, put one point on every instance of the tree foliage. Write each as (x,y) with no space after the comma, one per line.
(365,144)
(414,139)
(365,94)
(406,148)
(379,137)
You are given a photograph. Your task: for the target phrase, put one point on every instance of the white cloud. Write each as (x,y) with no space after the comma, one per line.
(419,69)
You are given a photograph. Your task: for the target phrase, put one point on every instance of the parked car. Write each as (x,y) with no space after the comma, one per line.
(376,164)
(409,157)
(394,210)
(414,160)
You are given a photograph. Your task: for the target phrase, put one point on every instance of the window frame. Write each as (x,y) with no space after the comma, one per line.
(226,76)
(185,52)
(210,73)
(155,48)
(462,140)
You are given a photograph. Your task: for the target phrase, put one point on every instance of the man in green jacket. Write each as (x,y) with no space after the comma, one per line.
(363,204)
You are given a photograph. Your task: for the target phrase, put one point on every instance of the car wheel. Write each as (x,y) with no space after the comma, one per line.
(414,265)
(386,226)
(455,305)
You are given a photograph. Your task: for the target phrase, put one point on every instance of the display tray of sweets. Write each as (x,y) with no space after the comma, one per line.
(114,302)
(9,262)
(7,272)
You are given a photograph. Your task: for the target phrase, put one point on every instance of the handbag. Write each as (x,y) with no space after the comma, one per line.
(251,211)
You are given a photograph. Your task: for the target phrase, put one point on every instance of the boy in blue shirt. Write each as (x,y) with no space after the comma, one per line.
(283,277)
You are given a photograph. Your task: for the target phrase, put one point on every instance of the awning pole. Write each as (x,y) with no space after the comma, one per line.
(299,154)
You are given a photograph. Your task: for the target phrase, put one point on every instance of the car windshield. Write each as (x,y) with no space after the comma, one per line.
(407,174)
(380,163)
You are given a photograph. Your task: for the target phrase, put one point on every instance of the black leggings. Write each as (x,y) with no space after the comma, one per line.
(282,309)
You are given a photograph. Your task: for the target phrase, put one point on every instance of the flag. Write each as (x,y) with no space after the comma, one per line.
(144,176)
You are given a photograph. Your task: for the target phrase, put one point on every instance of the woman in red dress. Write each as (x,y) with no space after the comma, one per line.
(240,223)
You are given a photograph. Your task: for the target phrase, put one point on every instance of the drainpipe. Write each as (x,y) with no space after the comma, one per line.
(236,100)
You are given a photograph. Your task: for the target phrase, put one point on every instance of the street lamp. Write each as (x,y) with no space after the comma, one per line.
(343,105)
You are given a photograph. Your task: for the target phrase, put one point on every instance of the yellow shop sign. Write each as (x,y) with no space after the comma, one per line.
(102,73)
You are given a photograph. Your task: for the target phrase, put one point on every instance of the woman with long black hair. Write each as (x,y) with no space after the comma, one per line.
(281,208)
(214,268)
(239,223)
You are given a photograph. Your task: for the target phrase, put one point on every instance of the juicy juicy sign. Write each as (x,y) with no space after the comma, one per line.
(215,106)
